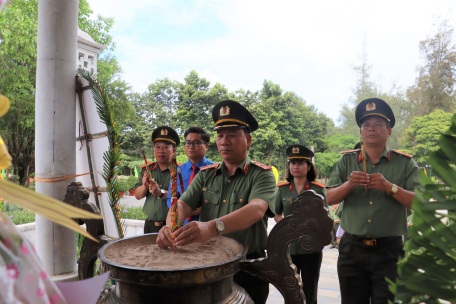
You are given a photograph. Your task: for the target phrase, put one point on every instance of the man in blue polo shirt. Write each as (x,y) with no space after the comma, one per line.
(196,145)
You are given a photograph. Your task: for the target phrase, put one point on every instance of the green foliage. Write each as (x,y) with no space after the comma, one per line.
(123,186)
(422,136)
(324,162)
(337,143)
(427,271)
(131,182)
(14,179)
(20,216)
(134,213)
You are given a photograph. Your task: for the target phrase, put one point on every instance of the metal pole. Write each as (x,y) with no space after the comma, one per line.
(55,119)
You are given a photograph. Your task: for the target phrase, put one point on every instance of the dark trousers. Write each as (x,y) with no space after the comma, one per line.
(362,269)
(334,233)
(149,227)
(309,269)
(258,290)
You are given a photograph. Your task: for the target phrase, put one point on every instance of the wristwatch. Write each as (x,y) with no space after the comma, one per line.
(393,190)
(219,226)
(163,191)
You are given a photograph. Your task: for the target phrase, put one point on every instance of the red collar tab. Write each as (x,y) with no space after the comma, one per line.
(246,167)
(360,156)
(291,187)
(307,186)
(389,156)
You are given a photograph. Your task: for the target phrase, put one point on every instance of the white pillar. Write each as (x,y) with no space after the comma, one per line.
(55,126)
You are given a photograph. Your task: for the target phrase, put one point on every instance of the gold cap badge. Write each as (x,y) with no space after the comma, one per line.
(225,111)
(370,106)
(164,132)
(295,150)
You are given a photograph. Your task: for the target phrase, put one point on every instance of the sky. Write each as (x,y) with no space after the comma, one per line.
(308,47)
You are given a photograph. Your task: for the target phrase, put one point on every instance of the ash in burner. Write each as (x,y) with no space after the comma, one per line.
(150,256)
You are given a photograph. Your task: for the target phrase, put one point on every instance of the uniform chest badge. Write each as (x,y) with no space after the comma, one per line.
(225,111)
(370,106)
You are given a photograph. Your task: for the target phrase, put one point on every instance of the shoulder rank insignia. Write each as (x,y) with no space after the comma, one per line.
(261,165)
(403,153)
(283,184)
(318,184)
(356,150)
(210,166)
(149,164)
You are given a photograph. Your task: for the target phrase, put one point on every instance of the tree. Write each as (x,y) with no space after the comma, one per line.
(422,136)
(434,87)
(324,162)
(18,47)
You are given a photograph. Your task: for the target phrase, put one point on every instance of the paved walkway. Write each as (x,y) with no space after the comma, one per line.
(328,287)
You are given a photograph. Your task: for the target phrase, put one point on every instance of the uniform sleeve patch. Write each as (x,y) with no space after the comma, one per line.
(261,165)
(403,153)
(283,184)
(318,184)
(356,150)
(210,166)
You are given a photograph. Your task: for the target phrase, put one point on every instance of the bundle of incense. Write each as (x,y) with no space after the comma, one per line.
(147,167)
(363,155)
(174,210)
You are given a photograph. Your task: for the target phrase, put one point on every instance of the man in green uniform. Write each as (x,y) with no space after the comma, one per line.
(375,207)
(165,141)
(235,196)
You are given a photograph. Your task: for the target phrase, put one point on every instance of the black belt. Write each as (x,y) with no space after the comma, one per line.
(255,255)
(158,224)
(372,241)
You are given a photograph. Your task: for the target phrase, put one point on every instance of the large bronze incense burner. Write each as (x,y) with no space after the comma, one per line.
(309,224)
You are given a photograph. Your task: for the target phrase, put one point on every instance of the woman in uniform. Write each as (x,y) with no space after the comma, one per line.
(300,178)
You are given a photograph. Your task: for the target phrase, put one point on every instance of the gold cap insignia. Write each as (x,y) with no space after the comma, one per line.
(370,106)
(225,111)
(295,150)
(164,132)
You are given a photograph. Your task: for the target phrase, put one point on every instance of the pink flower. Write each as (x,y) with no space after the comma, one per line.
(24,249)
(40,292)
(7,243)
(43,275)
(55,299)
(29,277)
(12,271)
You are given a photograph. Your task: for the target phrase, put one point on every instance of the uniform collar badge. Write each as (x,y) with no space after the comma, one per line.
(370,106)
(164,132)
(295,150)
(225,111)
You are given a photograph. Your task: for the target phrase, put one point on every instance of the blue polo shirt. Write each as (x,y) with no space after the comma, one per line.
(187,171)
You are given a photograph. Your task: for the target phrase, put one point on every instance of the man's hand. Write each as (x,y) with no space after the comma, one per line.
(154,188)
(145,179)
(196,211)
(165,237)
(378,182)
(358,178)
(195,232)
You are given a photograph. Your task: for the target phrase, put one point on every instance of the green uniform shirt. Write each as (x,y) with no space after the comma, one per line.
(339,210)
(154,207)
(377,214)
(218,194)
(333,213)
(286,194)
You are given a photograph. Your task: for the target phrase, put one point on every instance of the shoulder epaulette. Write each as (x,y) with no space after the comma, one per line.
(261,165)
(356,150)
(283,184)
(210,166)
(149,163)
(403,153)
(318,184)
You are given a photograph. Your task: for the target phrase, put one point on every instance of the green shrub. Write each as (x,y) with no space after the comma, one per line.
(123,186)
(133,213)
(21,216)
(131,182)
(14,178)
